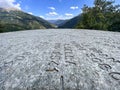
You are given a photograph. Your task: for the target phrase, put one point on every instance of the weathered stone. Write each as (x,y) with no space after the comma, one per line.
(60,60)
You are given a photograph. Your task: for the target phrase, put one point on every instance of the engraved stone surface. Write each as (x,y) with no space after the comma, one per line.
(64,59)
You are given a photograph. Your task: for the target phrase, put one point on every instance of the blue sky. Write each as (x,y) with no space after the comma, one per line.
(49,9)
(54,9)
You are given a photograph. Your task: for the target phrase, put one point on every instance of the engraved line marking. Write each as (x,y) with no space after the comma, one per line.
(96,60)
(115,75)
(51,70)
(117,61)
(113,59)
(105,66)
(70,62)
(55,62)
(6,64)
(62,82)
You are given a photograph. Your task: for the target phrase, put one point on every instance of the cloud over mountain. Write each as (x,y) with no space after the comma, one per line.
(68,14)
(9,4)
(52,14)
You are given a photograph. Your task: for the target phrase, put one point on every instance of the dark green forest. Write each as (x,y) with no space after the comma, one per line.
(105,15)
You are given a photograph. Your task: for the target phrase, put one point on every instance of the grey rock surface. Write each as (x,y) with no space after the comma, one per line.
(64,59)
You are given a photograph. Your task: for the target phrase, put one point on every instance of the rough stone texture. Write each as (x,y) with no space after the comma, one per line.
(60,60)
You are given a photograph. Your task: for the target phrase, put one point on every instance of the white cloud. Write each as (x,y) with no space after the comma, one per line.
(74,7)
(30,13)
(58,17)
(62,17)
(41,16)
(68,14)
(9,4)
(52,8)
(52,14)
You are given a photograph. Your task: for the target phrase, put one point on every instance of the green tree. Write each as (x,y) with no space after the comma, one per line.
(104,16)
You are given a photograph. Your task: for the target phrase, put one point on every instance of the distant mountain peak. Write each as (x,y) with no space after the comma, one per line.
(58,22)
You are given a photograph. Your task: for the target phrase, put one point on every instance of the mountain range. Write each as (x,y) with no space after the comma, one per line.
(58,22)
(95,18)
(15,20)
(71,23)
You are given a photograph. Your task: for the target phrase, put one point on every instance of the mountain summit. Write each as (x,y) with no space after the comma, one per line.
(14,20)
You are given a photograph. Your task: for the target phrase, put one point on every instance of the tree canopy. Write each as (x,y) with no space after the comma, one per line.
(104,15)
